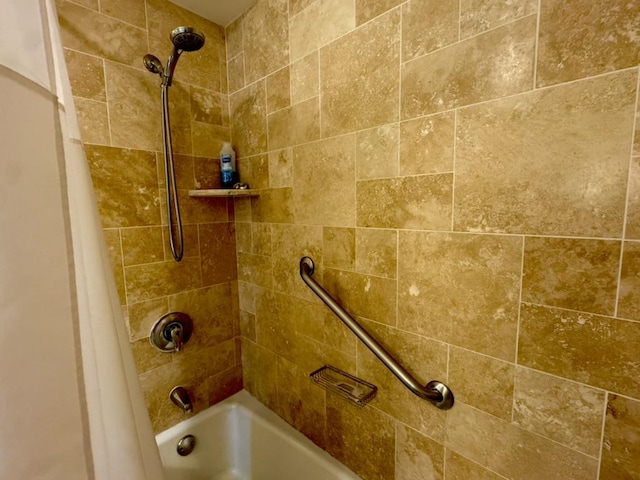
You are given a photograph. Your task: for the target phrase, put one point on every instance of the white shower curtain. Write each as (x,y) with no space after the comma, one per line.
(70,402)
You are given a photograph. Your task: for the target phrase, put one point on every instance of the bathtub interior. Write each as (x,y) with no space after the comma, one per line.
(241,439)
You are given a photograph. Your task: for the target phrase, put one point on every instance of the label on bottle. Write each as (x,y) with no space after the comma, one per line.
(226,171)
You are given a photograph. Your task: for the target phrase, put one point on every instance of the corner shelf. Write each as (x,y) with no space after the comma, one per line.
(219,192)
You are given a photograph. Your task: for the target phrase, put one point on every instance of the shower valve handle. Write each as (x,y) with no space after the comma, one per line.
(171,332)
(174,333)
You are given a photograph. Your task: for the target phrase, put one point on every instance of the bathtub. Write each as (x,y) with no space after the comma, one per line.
(241,439)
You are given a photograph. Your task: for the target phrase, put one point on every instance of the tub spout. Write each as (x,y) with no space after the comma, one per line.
(180,397)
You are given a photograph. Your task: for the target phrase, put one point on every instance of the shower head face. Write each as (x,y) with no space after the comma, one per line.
(187,39)
(153,64)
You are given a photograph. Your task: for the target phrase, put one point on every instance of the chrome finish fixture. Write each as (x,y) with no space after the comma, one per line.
(186,445)
(241,186)
(347,386)
(436,392)
(180,397)
(185,39)
(171,332)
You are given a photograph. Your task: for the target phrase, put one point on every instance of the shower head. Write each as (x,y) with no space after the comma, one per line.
(153,64)
(187,39)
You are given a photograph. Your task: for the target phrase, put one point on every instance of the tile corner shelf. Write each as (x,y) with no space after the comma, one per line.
(219,192)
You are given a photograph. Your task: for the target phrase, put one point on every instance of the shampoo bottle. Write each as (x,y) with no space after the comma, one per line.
(228,166)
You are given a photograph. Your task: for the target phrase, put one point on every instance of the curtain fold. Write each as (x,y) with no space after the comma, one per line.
(70,402)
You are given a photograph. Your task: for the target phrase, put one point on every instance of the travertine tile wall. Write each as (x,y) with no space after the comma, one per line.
(118,104)
(464,175)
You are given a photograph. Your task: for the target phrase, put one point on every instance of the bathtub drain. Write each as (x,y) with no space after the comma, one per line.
(186,445)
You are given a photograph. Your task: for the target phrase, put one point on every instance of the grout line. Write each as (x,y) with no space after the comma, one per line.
(627,198)
(630,320)
(537,46)
(106,95)
(513,402)
(453,177)
(604,423)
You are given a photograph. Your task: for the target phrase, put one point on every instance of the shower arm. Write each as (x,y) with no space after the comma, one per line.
(436,392)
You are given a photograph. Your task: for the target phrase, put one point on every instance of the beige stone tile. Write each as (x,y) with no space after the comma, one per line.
(482,382)
(566,412)
(471,71)
(567,139)
(571,273)
(183,166)
(461,468)
(112,239)
(278,90)
(153,280)
(206,105)
(202,209)
(633,200)
(566,343)
(519,453)
(242,209)
(367,10)
(246,296)
(629,296)
(244,241)
(86,74)
(300,402)
(579,39)
(256,269)
(208,138)
(233,35)
(462,289)
(420,202)
(206,172)
(261,239)
(296,6)
(216,388)
(305,80)
(146,357)
(281,168)
(377,152)
(248,325)
(319,25)
(93,120)
(92,4)
(359,77)
(156,385)
(427,26)
(180,108)
(265,33)
(235,68)
(477,16)
(201,68)
(142,245)
(275,205)
(130,11)
(424,359)
(363,295)
(126,186)
(339,247)
(211,312)
(377,252)
(143,315)
(134,107)
(289,244)
(218,253)
(324,182)
(427,145)
(294,125)
(417,457)
(362,439)
(254,171)
(249,120)
(89,32)
(621,452)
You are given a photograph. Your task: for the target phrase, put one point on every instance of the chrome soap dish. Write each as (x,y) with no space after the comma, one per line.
(347,386)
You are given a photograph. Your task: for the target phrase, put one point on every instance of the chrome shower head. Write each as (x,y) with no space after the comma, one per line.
(153,64)
(187,39)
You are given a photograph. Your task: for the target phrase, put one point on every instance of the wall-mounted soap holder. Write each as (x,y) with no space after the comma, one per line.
(171,332)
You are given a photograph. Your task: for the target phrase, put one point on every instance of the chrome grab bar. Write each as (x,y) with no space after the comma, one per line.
(436,392)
